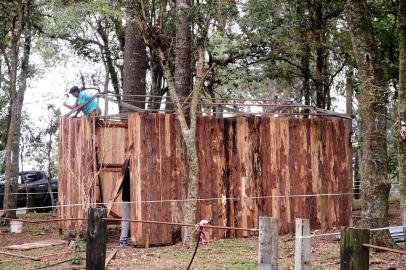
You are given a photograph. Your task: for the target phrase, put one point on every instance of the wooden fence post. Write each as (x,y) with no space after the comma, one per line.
(268,243)
(354,256)
(96,239)
(302,244)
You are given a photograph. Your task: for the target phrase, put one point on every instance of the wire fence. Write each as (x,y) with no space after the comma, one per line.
(313,234)
(56,192)
(197,199)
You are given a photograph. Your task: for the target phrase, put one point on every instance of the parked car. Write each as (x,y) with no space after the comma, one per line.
(32,182)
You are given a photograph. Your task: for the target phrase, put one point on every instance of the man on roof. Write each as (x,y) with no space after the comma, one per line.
(82,98)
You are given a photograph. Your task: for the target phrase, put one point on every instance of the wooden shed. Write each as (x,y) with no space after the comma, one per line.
(249,166)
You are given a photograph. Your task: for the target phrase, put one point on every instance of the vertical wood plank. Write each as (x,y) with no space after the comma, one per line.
(302,244)
(268,243)
(284,176)
(316,159)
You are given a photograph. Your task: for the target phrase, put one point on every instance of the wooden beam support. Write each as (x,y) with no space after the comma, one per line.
(110,166)
(111,124)
(125,105)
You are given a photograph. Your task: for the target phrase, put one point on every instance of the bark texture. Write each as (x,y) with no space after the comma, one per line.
(189,138)
(17,98)
(183,50)
(375,184)
(402,107)
(135,62)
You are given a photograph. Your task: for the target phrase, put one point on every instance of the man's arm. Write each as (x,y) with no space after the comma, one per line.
(72,107)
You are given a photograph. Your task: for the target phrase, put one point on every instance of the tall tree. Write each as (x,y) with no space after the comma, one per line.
(375,184)
(305,53)
(402,109)
(135,60)
(22,26)
(183,49)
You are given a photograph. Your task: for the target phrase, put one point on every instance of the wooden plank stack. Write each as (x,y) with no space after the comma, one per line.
(249,166)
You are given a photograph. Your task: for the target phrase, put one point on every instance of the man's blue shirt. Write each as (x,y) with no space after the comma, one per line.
(83,98)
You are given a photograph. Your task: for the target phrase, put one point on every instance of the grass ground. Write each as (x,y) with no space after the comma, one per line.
(222,254)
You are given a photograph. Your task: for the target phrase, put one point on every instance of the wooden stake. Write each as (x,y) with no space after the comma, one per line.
(96,239)
(302,244)
(353,255)
(268,243)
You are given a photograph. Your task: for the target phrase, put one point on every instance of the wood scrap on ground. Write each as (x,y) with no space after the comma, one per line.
(20,256)
(67,268)
(41,257)
(109,258)
(38,244)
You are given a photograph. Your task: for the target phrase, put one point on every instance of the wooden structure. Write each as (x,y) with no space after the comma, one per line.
(249,166)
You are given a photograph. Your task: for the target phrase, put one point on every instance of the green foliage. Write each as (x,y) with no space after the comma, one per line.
(77,22)
(79,246)
(263,42)
(36,141)
(385,25)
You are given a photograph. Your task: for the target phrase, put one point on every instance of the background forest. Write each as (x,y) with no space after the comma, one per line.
(347,56)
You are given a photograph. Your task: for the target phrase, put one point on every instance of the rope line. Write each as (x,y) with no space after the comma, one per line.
(30,193)
(136,221)
(313,235)
(338,233)
(317,235)
(198,199)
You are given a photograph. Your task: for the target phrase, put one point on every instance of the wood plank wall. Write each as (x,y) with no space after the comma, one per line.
(251,166)
(76,170)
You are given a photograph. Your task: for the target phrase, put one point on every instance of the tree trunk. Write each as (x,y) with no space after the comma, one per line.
(183,86)
(402,108)
(375,183)
(318,30)
(305,51)
(349,92)
(135,62)
(108,59)
(49,157)
(183,49)
(156,84)
(17,99)
(188,129)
